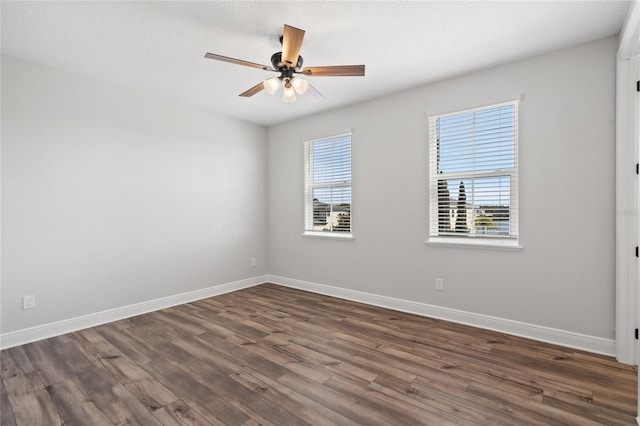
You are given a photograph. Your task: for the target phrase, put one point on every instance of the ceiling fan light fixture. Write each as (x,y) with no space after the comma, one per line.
(300,85)
(289,62)
(289,94)
(271,85)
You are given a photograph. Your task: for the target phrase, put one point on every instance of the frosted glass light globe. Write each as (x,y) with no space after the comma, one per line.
(300,85)
(271,85)
(289,94)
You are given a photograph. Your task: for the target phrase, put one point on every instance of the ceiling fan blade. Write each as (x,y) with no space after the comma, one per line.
(250,92)
(291,44)
(313,95)
(237,61)
(337,71)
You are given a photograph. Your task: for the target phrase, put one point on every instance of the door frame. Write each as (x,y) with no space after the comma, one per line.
(627,198)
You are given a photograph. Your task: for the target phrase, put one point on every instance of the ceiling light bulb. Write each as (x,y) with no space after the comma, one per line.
(271,85)
(289,95)
(300,85)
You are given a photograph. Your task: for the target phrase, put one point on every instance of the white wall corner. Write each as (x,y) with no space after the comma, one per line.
(45,331)
(566,338)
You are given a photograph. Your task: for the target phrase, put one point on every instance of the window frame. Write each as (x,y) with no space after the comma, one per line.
(309,186)
(475,241)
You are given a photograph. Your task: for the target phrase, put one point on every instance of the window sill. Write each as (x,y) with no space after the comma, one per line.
(474,243)
(329,235)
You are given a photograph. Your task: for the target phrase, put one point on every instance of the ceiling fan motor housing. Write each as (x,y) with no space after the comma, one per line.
(276,61)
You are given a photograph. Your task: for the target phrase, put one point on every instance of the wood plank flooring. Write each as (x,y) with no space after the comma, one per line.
(272,355)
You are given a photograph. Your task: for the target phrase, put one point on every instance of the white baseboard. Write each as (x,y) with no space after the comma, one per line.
(32,334)
(570,339)
(536,332)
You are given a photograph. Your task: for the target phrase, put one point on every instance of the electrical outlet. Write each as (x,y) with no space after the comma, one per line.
(29,302)
(439,284)
(253,261)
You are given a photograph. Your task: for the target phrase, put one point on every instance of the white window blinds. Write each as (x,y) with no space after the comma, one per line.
(473,173)
(328,185)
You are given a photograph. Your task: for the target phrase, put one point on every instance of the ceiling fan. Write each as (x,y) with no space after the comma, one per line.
(287,63)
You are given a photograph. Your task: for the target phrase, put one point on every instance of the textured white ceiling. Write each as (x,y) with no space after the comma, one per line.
(158,47)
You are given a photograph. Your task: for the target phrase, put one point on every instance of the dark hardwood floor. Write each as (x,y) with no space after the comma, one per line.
(276,356)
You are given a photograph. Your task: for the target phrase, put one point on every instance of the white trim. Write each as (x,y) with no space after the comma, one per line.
(310,186)
(329,235)
(566,338)
(627,141)
(474,105)
(481,243)
(626,219)
(536,332)
(433,234)
(627,188)
(322,138)
(45,331)
(323,134)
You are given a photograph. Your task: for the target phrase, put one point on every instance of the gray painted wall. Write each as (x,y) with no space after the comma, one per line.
(562,278)
(111,197)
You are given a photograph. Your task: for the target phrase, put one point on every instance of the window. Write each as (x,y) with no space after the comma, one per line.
(327,186)
(473,176)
